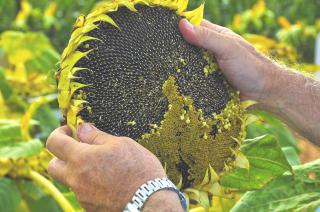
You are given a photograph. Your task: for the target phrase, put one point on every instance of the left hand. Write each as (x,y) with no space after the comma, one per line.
(104,171)
(245,69)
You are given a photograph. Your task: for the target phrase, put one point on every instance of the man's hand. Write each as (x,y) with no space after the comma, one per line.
(245,69)
(104,171)
(287,94)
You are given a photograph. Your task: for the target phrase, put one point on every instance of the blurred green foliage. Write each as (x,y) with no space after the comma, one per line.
(297,191)
(302,36)
(223,11)
(32,35)
(55,18)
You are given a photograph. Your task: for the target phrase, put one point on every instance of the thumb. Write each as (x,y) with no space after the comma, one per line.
(89,134)
(204,37)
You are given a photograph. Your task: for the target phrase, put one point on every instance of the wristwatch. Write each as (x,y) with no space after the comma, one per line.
(149,188)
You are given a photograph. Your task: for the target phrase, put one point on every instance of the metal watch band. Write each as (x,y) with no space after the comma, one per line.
(149,188)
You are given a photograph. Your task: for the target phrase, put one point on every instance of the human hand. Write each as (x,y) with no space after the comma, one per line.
(104,171)
(245,69)
(257,78)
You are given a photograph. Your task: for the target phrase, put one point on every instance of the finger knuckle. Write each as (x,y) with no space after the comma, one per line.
(51,139)
(204,35)
(50,168)
(80,160)
(77,159)
(73,182)
(114,150)
(97,137)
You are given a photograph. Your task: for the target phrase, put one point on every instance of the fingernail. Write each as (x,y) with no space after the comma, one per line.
(188,25)
(85,128)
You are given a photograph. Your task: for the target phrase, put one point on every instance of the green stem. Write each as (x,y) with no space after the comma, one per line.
(52,190)
(222,205)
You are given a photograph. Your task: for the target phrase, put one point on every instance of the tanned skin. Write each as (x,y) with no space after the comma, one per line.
(105,171)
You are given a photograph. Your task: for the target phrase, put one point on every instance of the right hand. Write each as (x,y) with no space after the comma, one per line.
(245,69)
(103,170)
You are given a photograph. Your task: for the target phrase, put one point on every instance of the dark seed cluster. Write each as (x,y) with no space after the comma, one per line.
(129,66)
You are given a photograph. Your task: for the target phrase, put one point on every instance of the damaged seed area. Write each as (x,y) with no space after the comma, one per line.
(129,65)
(185,143)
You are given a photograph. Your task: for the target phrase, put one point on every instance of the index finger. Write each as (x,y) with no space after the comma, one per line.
(215,27)
(61,144)
(224,31)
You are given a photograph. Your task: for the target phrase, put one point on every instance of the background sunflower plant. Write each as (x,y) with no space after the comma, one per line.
(277,172)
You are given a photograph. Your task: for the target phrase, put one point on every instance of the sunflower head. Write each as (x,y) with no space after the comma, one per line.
(128,70)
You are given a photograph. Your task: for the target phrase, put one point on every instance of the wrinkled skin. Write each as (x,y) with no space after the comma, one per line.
(245,69)
(104,171)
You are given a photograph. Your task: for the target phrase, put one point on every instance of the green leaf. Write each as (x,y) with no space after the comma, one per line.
(36,199)
(71,197)
(268,125)
(45,203)
(30,189)
(48,118)
(10,133)
(5,88)
(33,48)
(21,149)
(267,162)
(291,155)
(9,195)
(291,192)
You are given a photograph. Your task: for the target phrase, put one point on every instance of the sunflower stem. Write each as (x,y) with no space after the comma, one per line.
(52,190)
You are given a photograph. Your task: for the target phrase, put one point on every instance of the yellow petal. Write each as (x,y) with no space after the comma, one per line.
(81,20)
(64,100)
(76,69)
(206,179)
(213,174)
(241,161)
(216,189)
(72,59)
(72,116)
(103,18)
(103,8)
(248,103)
(128,4)
(195,16)
(204,199)
(182,6)
(145,2)
(78,102)
(179,185)
(198,209)
(76,86)
(73,45)
(193,194)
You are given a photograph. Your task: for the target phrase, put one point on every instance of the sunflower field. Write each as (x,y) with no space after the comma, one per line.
(277,169)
